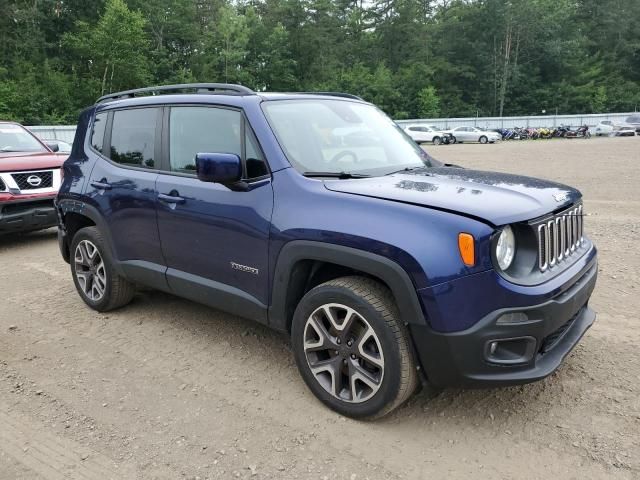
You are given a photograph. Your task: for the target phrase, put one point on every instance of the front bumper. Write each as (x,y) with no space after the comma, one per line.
(27,215)
(547,335)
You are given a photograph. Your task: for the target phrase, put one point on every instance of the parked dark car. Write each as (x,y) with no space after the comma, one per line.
(29,181)
(386,268)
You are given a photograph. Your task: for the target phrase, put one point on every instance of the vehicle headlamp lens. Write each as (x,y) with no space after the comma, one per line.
(506,248)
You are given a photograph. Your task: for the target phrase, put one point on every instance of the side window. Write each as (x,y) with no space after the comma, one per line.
(97,136)
(194,130)
(133,137)
(256,165)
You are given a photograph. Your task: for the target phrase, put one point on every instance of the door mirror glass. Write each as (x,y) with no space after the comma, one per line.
(53,146)
(224,168)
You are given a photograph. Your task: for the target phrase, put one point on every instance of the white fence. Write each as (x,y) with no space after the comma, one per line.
(66,133)
(510,122)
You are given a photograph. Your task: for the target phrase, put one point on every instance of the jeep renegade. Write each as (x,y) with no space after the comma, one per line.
(315,214)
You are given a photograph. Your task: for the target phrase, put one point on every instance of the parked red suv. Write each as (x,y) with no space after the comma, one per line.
(29,180)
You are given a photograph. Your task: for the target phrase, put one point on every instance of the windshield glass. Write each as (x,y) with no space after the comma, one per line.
(14,138)
(336,136)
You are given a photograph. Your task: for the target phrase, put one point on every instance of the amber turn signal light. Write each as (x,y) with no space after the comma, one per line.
(467,247)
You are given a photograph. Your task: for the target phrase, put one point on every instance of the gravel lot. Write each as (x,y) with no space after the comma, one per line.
(169,389)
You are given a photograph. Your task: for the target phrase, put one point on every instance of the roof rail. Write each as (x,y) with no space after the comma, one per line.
(199,87)
(333,94)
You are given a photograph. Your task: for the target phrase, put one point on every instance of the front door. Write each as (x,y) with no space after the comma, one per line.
(215,240)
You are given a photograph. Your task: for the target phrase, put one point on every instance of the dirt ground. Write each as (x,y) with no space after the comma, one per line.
(165,388)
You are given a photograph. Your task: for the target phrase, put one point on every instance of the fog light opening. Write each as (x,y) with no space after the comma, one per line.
(510,351)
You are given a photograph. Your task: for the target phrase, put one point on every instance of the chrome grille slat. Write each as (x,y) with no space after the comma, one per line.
(559,240)
(542,247)
(559,237)
(551,251)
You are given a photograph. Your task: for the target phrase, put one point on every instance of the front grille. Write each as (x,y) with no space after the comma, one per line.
(29,180)
(559,237)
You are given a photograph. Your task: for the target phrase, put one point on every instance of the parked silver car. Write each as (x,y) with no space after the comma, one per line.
(473,134)
(635,121)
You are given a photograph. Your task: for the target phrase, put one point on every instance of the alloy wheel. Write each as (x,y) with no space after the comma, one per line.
(90,270)
(343,353)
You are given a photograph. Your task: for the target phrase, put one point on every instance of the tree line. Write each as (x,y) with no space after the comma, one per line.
(413,58)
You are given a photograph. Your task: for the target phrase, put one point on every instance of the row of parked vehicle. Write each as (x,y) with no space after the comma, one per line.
(437,136)
(432,134)
(562,131)
(630,128)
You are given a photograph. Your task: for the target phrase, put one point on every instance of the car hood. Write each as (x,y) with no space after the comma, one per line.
(497,198)
(12,162)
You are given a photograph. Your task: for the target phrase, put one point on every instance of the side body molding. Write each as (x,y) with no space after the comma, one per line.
(284,281)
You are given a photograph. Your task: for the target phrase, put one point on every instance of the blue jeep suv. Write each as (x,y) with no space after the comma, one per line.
(315,214)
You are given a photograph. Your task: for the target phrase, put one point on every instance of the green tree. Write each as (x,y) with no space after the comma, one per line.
(114,51)
(429,103)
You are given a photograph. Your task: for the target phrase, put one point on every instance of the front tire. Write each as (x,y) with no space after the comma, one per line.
(352,349)
(483,139)
(437,140)
(98,284)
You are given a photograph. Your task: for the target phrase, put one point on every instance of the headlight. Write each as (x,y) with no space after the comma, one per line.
(505,248)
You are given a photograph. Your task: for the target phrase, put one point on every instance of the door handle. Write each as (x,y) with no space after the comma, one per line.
(102,185)
(171,199)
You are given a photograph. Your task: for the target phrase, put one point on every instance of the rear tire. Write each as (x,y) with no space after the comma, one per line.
(98,284)
(352,349)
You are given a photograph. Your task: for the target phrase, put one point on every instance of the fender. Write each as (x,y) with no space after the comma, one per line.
(69,205)
(376,265)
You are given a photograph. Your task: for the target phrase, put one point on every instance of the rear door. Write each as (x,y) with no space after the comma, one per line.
(463,134)
(122,187)
(215,240)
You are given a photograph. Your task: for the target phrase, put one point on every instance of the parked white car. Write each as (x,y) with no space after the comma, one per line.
(424,134)
(473,134)
(605,127)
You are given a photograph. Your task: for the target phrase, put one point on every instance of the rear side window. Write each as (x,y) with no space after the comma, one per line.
(99,127)
(133,137)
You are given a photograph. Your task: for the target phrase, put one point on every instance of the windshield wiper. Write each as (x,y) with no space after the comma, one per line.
(407,169)
(339,175)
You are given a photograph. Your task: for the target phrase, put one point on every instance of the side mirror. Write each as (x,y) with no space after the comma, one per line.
(224,168)
(53,146)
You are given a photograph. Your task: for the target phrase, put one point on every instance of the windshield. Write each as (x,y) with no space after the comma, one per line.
(335,136)
(14,138)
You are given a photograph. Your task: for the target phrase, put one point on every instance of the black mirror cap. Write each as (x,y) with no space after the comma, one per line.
(224,168)
(53,146)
